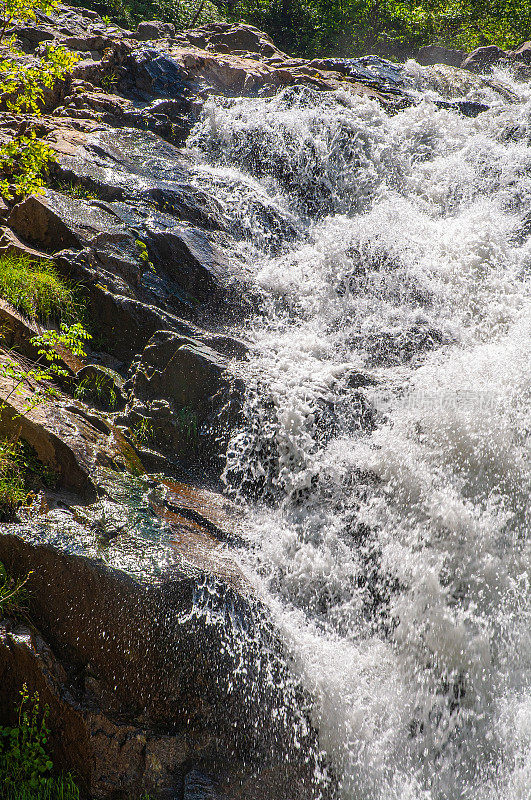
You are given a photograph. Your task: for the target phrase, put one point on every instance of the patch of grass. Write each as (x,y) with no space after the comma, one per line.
(77,190)
(97,389)
(13,596)
(142,431)
(35,288)
(187,423)
(109,82)
(12,484)
(21,475)
(61,788)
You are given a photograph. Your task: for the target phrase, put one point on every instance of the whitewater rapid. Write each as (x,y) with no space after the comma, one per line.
(387,432)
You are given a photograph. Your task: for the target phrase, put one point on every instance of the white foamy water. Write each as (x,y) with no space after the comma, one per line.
(387,434)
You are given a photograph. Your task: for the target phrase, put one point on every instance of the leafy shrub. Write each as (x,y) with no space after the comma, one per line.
(48,365)
(22,88)
(25,764)
(23,161)
(35,288)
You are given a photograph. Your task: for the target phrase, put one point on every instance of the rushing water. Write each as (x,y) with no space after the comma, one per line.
(388,422)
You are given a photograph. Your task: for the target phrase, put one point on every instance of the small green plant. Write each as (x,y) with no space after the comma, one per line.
(35,288)
(22,86)
(23,754)
(36,474)
(12,490)
(21,475)
(49,345)
(99,389)
(23,162)
(106,20)
(186,421)
(76,190)
(144,255)
(13,595)
(25,764)
(109,82)
(142,431)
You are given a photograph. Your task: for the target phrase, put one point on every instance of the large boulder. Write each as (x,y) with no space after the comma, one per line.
(523,53)
(484,58)
(223,37)
(149,677)
(435,54)
(155,29)
(188,395)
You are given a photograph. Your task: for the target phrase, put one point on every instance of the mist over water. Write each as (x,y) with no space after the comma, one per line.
(387,432)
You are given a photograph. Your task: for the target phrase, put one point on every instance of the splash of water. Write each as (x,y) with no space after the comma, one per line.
(388,420)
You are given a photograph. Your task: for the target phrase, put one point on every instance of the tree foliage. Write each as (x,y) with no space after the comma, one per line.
(22,90)
(351,27)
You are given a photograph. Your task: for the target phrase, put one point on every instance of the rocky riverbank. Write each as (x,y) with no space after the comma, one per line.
(143,635)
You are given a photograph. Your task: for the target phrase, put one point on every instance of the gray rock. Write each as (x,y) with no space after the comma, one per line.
(484,58)
(435,54)
(154,30)
(188,394)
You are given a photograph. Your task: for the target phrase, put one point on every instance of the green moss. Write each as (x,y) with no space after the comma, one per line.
(35,288)
(130,459)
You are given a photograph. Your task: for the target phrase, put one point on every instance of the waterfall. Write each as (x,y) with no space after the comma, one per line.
(384,455)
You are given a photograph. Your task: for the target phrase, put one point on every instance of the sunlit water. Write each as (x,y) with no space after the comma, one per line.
(387,433)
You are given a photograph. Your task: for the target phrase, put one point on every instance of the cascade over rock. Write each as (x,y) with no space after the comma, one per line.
(307,287)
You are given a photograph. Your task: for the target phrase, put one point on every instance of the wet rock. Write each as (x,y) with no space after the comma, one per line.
(468,108)
(523,53)
(373,71)
(72,443)
(198,786)
(56,222)
(435,54)
(115,247)
(101,385)
(203,397)
(151,73)
(138,678)
(132,164)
